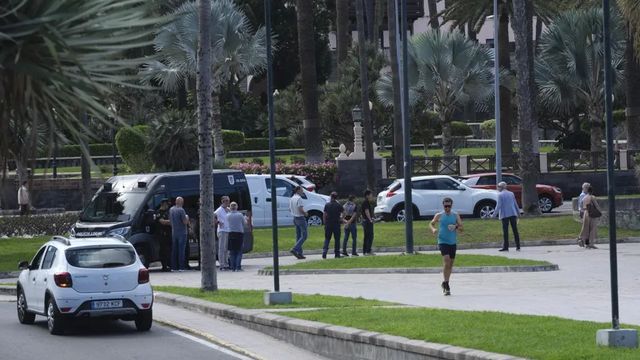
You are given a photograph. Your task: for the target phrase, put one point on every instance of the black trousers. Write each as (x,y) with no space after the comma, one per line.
(367,242)
(329,231)
(513,220)
(165,249)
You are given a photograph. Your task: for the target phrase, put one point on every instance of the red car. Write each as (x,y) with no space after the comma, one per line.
(549,197)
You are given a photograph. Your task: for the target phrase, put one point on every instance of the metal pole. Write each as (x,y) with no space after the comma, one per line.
(54,163)
(272,149)
(406,127)
(496,89)
(608,105)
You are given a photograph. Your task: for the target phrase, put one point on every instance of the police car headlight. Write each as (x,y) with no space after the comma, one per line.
(122,231)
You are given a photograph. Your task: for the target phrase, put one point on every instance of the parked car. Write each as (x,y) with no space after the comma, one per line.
(78,278)
(427,194)
(549,197)
(125,205)
(302,181)
(260,189)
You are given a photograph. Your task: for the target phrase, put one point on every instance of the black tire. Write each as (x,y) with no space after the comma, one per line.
(484,209)
(143,254)
(315,219)
(398,213)
(144,320)
(545,203)
(24,315)
(55,321)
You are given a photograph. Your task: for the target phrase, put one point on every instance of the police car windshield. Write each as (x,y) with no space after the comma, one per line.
(112,207)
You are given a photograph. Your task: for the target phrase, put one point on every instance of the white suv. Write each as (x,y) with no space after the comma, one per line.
(427,194)
(77,278)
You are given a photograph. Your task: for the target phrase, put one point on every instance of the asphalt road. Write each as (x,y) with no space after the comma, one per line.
(98,340)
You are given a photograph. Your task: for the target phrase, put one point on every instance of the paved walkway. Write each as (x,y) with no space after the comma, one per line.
(579,290)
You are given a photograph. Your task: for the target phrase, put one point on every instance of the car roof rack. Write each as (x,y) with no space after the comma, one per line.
(61,239)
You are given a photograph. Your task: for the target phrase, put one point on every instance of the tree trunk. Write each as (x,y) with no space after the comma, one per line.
(218,144)
(364,96)
(632,91)
(433,14)
(395,77)
(370,16)
(307,54)
(343,36)
(596,114)
(447,140)
(505,94)
(208,279)
(85,167)
(526,96)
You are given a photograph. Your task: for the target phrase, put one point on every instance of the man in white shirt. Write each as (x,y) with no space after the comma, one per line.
(23,199)
(223,233)
(299,220)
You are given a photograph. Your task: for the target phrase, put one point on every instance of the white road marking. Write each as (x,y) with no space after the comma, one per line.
(211,345)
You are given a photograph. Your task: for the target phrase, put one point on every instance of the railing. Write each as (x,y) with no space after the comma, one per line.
(580,161)
(42,163)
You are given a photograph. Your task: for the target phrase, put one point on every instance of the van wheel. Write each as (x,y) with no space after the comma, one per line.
(144,320)
(143,255)
(55,322)
(24,315)
(485,209)
(315,218)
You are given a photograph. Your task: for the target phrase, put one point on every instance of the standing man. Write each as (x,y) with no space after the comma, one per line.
(350,217)
(332,221)
(223,233)
(237,222)
(23,199)
(450,224)
(507,210)
(367,223)
(179,221)
(164,233)
(299,220)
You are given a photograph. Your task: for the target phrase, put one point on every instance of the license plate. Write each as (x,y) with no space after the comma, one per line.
(106,304)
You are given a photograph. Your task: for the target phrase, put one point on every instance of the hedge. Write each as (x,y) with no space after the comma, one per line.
(75,151)
(50,224)
(459,128)
(231,138)
(262,144)
(321,174)
(132,145)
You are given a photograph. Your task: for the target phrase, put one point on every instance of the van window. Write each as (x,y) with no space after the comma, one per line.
(113,206)
(101,257)
(283,188)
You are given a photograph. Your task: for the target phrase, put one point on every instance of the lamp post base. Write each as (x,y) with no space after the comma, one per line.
(625,338)
(277,297)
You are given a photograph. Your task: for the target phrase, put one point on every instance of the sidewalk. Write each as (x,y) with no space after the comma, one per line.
(579,290)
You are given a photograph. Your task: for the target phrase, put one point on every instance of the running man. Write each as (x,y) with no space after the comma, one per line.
(450,224)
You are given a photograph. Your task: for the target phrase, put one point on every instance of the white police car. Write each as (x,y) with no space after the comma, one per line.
(77,278)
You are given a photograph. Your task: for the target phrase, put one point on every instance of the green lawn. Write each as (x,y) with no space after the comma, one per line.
(253,299)
(410,261)
(476,231)
(534,337)
(15,250)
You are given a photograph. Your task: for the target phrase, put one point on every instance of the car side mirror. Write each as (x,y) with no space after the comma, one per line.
(462,188)
(23,265)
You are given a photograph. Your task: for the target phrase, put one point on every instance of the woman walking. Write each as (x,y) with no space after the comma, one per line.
(592,213)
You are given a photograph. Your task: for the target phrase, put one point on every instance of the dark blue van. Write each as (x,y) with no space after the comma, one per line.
(125,206)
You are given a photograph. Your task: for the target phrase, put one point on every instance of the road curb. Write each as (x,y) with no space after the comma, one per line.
(8,290)
(335,342)
(209,338)
(9,275)
(430,270)
(461,246)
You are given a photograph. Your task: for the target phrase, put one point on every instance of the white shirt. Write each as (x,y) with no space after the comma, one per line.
(294,205)
(221,215)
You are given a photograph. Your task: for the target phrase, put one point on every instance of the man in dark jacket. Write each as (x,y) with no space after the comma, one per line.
(332,222)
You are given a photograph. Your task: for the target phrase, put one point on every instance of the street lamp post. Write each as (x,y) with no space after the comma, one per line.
(496,89)
(275,297)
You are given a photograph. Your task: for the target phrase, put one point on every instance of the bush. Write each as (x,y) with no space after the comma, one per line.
(262,144)
(579,140)
(258,161)
(173,142)
(132,146)
(297,159)
(321,174)
(488,129)
(459,128)
(231,138)
(619,117)
(51,224)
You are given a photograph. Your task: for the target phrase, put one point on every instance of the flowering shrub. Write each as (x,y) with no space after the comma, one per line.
(51,224)
(321,174)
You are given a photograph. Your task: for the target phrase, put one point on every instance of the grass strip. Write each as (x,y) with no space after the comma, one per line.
(15,250)
(410,261)
(534,337)
(254,299)
(476,231)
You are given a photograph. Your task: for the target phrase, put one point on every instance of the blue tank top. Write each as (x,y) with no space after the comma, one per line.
(446,236)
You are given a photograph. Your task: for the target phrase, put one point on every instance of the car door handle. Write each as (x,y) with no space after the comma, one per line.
(34,279)
(268,199)
(45,279)
(255,199)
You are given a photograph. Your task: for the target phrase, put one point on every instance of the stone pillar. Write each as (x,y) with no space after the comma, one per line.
(544,164)
(464,164)
(624,160)
(358,152)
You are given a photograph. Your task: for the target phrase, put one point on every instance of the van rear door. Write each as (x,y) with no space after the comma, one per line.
(260,214)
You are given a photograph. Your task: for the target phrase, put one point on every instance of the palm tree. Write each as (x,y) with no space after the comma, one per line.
(395,77)
(60,58)
(204,79)
(343,30)
(570,68)
(631,11)
(526,95)
(445,69)
(236,52)
(307,54)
